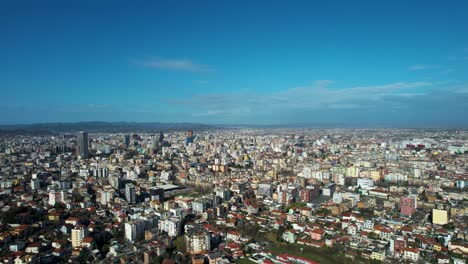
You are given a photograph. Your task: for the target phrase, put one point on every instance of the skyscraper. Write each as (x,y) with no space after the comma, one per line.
(130,193)
(127,141)
(189,137)
(83,145)
(161,137)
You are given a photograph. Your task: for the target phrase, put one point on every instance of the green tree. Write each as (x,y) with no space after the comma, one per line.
(180,244)
(280,233)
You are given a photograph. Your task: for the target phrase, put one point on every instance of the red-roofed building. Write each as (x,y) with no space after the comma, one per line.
(233,236)
(317,234)
(232,246)
(58,252)
(289,258)
(87,242)
(398,245)
(411,254)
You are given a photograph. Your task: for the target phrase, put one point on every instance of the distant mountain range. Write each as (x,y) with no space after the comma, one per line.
(98,126)
(153,127)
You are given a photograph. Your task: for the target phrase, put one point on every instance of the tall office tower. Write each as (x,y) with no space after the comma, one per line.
(130,193)
(408,205)
(161,137)
(155,143)
(83,144)
(127,141)
(189,137)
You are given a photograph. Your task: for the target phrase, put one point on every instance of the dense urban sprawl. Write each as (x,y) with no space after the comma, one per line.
(235,196)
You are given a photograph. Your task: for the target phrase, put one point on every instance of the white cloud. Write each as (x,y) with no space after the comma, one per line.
(210,113)
(176,65)
(419,67)
(345,106)
(316,97)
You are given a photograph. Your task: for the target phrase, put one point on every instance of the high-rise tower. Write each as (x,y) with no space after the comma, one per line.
(161,137)
(127,141)
(83,145)
(130,192)
(189,137)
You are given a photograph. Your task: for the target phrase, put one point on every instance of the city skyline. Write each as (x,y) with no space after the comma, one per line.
(367,64)
(234,132)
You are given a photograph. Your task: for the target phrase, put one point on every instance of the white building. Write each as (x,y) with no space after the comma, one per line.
(171,226)
(197,242)
(395,177)
(134,230)
(368,225)
(106,196)
(329,189)
(411,254)
(54,197)
(35,184)
(130,193)
(365,183)
(337,198)
(166,176)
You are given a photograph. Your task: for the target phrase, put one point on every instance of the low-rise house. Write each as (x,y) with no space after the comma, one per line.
(352,230)
(58,252)
(443,259)
(233,235)
(289,236)
(317,234)
(252,209)
(33,248)
(213,257)
(87,242)
(378,255)
(17,246)
(411,254)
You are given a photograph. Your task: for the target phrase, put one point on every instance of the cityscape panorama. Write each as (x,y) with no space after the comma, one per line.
(218,132)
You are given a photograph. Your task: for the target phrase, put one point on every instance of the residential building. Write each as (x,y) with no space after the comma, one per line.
(439,217)
(77,234)
(83,142)
(408,205)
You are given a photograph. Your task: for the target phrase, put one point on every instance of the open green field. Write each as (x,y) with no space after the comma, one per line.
(295,205)
(321,255)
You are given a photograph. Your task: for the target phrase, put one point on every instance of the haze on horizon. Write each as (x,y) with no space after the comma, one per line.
(366,63)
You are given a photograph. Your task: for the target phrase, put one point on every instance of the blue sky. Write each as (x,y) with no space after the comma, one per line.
(362,63)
